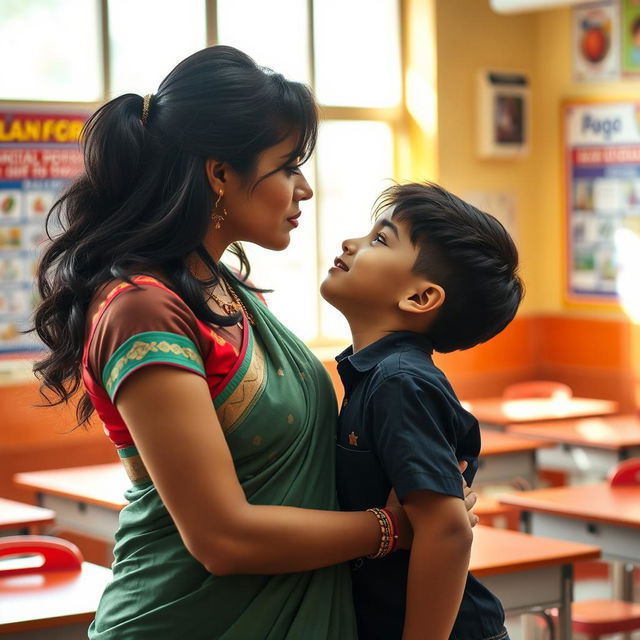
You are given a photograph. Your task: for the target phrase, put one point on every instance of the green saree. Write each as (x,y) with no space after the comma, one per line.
(278,412)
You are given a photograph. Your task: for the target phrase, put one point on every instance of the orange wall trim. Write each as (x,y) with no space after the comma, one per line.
(592,355)
(583,342)
(510,350)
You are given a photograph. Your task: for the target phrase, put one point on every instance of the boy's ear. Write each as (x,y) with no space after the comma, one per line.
(216,174)
(428,297)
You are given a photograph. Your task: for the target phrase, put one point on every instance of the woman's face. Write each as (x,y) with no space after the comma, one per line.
(267,213)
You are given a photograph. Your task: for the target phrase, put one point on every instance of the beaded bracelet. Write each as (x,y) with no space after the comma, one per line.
(388,532)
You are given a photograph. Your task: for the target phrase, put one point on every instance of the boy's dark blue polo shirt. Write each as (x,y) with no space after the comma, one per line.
(402,426)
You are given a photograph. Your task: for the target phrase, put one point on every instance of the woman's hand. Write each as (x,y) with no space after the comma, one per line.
(405,530)
(470,497)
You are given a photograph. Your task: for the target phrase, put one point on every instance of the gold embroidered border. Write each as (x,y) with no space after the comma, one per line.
(244,395)
(140,349)
(135,469)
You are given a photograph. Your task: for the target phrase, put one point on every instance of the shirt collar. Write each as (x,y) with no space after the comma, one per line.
(371,355)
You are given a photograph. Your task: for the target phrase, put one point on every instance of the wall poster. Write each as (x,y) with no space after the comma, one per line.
(39,155)
(631,37)
(602,169)
(596,41)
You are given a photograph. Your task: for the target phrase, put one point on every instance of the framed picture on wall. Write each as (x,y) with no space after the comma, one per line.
(602,200)
(503,114)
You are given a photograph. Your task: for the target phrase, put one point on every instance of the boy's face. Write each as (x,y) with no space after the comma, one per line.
(374,272)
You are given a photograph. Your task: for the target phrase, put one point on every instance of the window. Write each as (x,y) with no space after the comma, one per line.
(356,47)
(141,57)
(354,68)
(50,50)
(347,50)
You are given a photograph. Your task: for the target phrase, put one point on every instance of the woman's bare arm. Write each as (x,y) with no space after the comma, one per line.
(171,418)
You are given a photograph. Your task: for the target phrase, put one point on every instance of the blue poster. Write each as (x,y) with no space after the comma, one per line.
(602,147)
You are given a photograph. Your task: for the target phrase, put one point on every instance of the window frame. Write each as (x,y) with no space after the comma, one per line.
(395,117)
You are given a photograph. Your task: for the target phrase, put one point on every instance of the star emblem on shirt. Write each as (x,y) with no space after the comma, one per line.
(353,439)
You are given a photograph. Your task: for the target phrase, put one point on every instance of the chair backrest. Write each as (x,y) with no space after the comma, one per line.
(537,389)
(625,473)
(55,554)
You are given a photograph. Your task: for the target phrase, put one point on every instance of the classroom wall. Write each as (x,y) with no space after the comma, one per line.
(589,348)
(553,54)
(616,339)
(472,37)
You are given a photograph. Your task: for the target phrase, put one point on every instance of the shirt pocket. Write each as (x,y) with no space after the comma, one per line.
(362,482)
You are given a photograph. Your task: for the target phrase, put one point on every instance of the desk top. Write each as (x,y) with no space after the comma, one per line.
(51,599)
(502,412)
(101,484)
(15,515)
(600,502)
(495,443)
(605,432)
(505,551)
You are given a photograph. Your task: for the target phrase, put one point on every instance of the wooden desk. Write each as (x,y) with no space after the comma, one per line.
(527,572)
(17,517)
(588,446)
(504,457)
(597,514)
(86,500)
(54,604)
(496,413)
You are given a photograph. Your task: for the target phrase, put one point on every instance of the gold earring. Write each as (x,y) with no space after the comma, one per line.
(216,217)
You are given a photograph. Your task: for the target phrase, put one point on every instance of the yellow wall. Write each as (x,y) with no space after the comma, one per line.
(586,348)
(470,36)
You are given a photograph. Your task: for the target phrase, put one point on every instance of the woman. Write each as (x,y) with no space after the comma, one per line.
(223,419)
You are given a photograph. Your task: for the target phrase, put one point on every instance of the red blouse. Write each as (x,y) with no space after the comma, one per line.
(119,312)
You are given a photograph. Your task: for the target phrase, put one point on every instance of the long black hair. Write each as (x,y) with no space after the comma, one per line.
(144,201)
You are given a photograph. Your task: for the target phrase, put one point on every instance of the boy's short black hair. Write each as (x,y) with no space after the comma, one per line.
(465,251)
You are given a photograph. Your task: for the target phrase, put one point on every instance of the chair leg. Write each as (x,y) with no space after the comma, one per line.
(548,623)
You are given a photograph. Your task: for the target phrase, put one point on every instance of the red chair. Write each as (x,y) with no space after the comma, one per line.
(56,554)
(626,473)
(537,389)
(595,618)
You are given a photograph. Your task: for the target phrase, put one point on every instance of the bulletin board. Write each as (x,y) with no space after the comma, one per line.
(601,145)
(39,155)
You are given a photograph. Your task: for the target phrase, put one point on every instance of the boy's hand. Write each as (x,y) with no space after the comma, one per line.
(470,496)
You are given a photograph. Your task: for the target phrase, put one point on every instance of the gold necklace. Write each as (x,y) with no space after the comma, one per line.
(235,306)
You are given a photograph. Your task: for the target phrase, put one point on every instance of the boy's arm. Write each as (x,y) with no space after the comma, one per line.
(438,564)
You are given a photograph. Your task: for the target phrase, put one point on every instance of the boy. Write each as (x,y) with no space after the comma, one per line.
(434,273)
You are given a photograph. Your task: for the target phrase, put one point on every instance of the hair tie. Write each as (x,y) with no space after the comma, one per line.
(146,105)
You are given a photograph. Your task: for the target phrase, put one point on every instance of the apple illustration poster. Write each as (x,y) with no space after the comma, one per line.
(596,41)
(631,37)
(39,156)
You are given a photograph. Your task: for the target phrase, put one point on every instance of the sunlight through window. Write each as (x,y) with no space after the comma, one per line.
(149,37)
(50,50)
(357,55)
